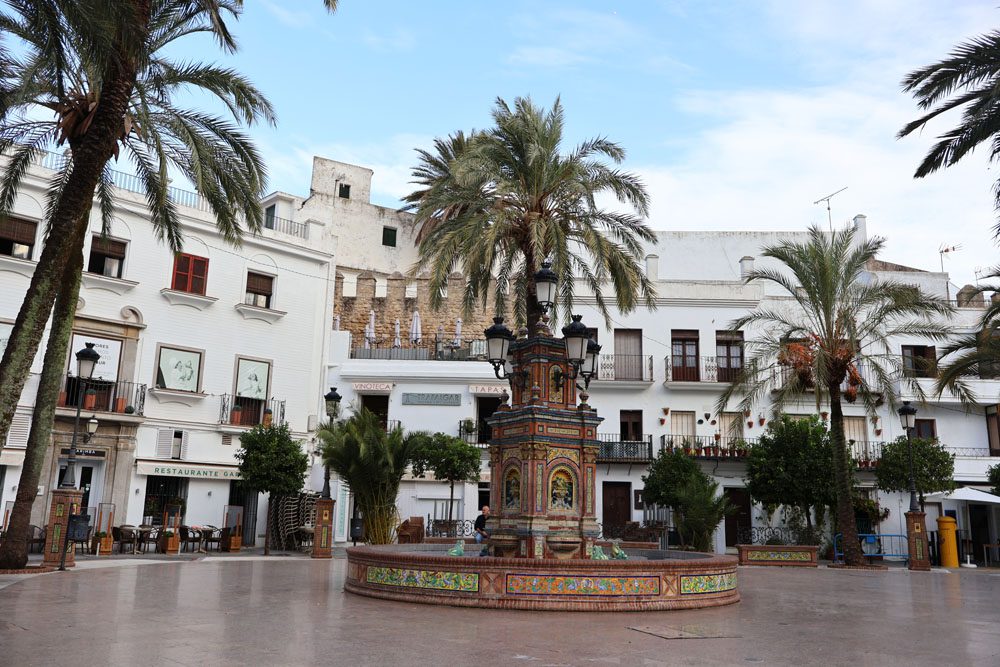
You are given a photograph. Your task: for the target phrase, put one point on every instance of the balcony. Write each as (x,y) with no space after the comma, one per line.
(627,368)
(284,226)
(437,350)
(701,369)
(249,412)
(709,446)
(474,434)
(615,449)
(114,396)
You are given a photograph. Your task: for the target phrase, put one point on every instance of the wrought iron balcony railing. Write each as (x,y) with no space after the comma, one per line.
(434,350)
(127,398)
(702,369)
(625,368)
(242,411)
(616,449)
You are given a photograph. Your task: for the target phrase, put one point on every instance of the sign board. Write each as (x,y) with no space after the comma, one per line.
(190,470)
(372,387)
(431,399)
(78,528)
(110,351)
(486,389)
(90,453)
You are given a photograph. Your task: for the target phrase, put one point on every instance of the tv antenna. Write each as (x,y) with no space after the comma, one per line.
(942,251)
(980,272)
(827,199)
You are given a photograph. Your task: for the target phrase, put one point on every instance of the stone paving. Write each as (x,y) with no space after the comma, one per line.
(293,611)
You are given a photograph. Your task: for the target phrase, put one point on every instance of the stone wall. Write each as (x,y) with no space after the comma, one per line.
(354,312)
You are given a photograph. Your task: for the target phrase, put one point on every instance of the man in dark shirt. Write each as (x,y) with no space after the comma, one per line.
(480,530)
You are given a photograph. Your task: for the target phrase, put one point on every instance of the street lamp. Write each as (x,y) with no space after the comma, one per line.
(498,353)
(86,362)
(546,281)
(908,419)
(332,399)
(589,369)
(578,351)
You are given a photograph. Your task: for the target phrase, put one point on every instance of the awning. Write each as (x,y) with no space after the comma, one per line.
(184,469)
(11,456)
(968,494)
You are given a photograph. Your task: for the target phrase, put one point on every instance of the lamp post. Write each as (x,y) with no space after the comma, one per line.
(86,362)
(332,400)
(908,419)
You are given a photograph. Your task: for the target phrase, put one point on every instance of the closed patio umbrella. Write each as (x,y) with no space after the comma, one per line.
(395,341)
(370,329)
(415,334)
(458,332)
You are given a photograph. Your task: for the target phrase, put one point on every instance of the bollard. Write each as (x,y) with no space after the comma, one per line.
(949,546)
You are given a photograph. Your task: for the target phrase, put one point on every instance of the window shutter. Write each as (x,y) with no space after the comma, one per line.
(259,283)
(18,231)
(199,274)
(164,443)
(182,264)
(20,426)
(109,247)
(184,445)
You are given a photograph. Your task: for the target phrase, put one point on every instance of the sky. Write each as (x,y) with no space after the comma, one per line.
(737,115)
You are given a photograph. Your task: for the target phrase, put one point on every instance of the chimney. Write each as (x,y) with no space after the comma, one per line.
(860,227)
(746,266)
(652,267)
(968,297)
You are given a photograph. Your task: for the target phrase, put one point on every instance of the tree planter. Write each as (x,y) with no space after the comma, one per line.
(780,555)
(169,544)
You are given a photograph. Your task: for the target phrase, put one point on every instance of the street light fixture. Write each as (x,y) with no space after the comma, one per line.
(578,342)
(332,399)
(498,353)
(908,419)
(546,282)
(589,369)
(86,362)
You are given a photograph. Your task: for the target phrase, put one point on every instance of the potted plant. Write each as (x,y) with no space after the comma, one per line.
(89,399)
(236,416)
(467,427)
(101,543)
(169,542)
(129,409)
(760,419)
(268,416)
(749,423)
(662,421)
(666,411)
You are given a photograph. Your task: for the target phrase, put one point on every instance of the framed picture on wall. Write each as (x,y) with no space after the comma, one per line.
(252,378)
(178,369)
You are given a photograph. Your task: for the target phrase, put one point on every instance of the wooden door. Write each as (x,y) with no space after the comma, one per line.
(740,499)
(979,529)
(377,404)
(617,508)
(684,356)
(485,407)
(631,425)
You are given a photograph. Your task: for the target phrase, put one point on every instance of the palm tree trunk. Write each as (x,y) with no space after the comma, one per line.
(451,501)
(842,481)
(91,152)
(14,548)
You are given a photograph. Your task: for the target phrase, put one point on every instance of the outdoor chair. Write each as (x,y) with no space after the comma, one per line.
(126,538)
(190,538)
(147,536)
(211,535)
(36,538)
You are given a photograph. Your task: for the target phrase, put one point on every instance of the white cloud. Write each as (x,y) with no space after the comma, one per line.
(397,40)
(289,17)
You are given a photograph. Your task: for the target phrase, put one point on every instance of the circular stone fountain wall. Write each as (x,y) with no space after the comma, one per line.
(650,580)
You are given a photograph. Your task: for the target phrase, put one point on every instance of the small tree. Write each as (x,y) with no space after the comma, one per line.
(993,475)
(675,480)
(271,462)
(792,465)
(452,460)
(933,467)
(699,511)
(372,462)
(669,471)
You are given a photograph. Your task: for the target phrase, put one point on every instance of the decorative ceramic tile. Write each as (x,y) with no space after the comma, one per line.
(788,556)
(697,584)
(511,453)
(540,488)
(562,430)
(565,453)
(462,582)
(589,474)
(531,584)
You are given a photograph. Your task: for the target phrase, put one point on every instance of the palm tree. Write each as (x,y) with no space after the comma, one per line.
(497,203)
(969,78)
(102,68)
(371,461)
(976,353)
(836,341)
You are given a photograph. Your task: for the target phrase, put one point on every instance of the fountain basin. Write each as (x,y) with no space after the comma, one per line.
(649,580)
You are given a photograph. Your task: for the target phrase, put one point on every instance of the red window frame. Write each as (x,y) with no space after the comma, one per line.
(190,274)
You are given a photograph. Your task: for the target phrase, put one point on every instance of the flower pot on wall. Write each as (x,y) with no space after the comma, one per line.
(662,421)
(89,399)
(749,423)
(236,416)
(666,411)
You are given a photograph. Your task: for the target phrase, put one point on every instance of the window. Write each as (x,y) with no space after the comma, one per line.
(920,361)
(259,290)
(729,354)
(993,429)
(629,362)
(17,238)
(107,257)
(269,217)
(592,334)
(682,426)
(171,444)
(630,422)
(389,236)
(924,428)
(190,274)
(684,355)
(344,191)
(178,369)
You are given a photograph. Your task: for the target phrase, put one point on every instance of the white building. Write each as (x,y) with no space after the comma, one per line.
(194,349)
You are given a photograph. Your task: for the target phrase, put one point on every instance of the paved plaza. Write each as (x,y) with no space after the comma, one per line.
(293,611)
